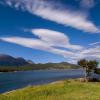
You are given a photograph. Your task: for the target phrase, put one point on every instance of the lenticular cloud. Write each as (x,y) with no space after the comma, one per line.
(53,12)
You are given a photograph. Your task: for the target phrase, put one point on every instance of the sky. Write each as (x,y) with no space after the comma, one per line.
(50,30)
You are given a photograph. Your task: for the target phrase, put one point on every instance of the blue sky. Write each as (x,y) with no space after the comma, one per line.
(50,30)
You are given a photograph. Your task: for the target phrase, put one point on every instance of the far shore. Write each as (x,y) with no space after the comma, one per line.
(39,70)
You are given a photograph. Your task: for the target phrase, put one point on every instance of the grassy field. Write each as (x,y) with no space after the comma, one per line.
(62,90)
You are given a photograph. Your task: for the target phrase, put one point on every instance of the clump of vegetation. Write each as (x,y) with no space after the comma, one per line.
(88,66)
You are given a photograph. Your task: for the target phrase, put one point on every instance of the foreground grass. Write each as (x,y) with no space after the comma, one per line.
(63,90)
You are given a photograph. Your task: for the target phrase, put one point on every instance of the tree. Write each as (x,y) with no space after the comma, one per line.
(88,66)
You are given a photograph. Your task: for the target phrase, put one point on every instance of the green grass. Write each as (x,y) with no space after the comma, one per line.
(63,90)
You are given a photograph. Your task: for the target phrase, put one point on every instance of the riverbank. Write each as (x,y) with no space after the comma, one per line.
(60,90)
(14,80)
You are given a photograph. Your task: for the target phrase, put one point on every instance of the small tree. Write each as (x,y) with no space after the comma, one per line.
(88,66)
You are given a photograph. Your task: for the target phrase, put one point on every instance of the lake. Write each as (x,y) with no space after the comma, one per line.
(14,80)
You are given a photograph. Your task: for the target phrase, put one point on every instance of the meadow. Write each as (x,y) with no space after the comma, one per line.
(60,90)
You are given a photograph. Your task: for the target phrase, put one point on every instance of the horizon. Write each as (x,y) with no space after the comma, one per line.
(43,62)
(29,59)
(50,31)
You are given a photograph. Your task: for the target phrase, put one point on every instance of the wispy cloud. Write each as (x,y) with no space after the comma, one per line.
(87,4)
(49,40)
(53,12)
(37,44)
(91,53)
(55,38)
(95,43)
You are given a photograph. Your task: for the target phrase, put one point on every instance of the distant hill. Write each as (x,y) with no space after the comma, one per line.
(9,63)
(61,65)
(6,60)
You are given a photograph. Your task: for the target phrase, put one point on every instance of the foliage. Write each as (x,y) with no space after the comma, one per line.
(89,66)
(97,71)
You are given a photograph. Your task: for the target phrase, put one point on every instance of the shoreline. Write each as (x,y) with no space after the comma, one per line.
(42,70)
(53,82)
(58,75)
(42,84)
(73,89)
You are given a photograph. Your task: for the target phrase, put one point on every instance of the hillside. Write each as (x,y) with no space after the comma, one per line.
(9,63)
(6,60)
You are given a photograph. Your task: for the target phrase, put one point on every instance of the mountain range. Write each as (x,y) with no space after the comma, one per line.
(6,60)
(9,63)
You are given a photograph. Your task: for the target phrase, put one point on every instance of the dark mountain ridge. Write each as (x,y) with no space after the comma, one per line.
(9,63)
(6,60)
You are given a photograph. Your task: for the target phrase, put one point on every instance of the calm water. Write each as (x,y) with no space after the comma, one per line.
(14,80)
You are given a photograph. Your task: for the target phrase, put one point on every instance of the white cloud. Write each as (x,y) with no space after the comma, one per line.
(95,52)
(36,44)
(53,12)
(92,53)
(52,37)
(95,43)
(49,40)
(55,38)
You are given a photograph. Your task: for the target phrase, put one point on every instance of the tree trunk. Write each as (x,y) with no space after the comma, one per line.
(86,75)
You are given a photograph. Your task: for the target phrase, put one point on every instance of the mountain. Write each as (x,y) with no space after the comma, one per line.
(9,63)
(6,60)
(60,65)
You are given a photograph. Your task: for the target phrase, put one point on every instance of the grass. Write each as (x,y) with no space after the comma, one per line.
(62,90)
